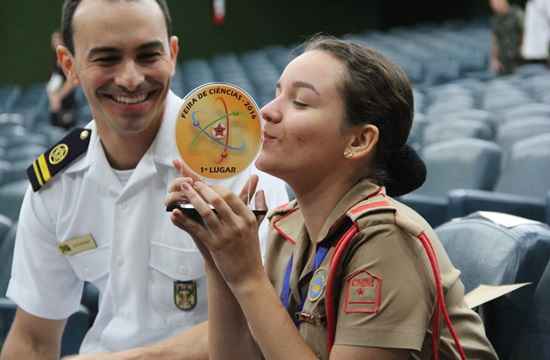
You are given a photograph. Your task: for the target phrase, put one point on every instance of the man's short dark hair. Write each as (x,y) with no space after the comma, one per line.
(70,6)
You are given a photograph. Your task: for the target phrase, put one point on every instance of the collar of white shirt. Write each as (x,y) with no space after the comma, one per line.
(162,151)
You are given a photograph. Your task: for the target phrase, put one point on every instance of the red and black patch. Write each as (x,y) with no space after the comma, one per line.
(363,292)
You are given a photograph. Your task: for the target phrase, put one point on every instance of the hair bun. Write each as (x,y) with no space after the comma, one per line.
(407,171)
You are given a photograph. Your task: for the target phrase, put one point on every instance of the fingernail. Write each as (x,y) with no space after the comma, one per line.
(185,186)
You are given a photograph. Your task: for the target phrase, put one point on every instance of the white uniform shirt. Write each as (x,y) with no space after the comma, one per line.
(536,38)
(139,254)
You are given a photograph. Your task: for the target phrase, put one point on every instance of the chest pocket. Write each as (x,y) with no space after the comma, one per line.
(91,265)
(171,266)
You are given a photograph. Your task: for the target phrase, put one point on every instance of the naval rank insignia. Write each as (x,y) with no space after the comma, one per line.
(185,294)
(58,157)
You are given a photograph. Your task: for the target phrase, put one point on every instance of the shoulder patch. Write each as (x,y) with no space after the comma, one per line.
(363,292)
(371,205)
(58,157)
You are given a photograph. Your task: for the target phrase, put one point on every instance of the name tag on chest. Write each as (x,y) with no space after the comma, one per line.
(77,245)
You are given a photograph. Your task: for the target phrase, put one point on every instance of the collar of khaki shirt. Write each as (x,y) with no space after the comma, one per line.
(288,220)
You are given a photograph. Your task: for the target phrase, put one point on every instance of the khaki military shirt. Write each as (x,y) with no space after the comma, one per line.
(387,291)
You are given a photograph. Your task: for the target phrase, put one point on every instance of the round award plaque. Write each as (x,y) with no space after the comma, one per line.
(218,130)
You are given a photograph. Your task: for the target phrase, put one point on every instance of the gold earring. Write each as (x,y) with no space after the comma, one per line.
(348,154)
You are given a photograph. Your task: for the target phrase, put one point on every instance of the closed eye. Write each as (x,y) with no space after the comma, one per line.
(149,57)
(299,104)
(107,60)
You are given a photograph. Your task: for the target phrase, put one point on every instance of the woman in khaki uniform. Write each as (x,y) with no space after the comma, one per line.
(350,272)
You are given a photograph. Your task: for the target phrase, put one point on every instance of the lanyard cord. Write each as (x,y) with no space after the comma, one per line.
(320,254)
(440,307)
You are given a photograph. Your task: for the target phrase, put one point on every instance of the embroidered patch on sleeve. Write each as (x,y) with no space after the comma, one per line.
(363,292)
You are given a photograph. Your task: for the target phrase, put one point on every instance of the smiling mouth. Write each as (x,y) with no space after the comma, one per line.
(131,99)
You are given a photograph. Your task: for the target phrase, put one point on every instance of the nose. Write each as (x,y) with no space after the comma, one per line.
(270,112)
(130,76)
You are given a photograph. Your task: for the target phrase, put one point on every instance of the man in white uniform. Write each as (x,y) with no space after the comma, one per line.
(96,210)
(536,38)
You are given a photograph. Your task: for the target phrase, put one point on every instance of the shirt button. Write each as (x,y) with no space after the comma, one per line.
(183,269)
(119,261)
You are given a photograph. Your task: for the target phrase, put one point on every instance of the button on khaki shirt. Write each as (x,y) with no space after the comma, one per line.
(386,294)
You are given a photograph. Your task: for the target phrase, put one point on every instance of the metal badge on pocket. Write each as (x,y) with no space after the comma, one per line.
(185,294)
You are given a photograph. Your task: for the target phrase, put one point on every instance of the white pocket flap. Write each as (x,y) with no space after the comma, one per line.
(178,264)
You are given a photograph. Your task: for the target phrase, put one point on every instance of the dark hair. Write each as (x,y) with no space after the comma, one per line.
(70,6)
(376,91)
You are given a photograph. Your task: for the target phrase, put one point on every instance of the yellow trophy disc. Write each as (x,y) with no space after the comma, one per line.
(218,130)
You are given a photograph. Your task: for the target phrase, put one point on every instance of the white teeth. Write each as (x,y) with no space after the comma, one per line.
(130,100)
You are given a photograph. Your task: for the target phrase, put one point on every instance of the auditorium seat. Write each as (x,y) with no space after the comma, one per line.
(534,338)
(7,243)
(457,164)
(461,163)
(416,135)
(497,249)
(227,68)
(5,225)
(521,188)
(24,152)
(531,70)
(527,111)
(501,100)
(510,133)
(441,107)
(441,131)
(11,196)
(279,55)
(469,114)
(5,171)
(25,138)
(195,73)
(8,97)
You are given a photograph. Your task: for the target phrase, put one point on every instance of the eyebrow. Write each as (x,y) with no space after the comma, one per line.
(152,45)
(301,84)
(102,50)
(109,50)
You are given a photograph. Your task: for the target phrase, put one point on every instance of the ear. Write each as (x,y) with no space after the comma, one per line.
(174,51)
(363,142)
(67,62)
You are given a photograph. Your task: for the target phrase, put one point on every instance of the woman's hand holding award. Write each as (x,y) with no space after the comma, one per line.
(218,135)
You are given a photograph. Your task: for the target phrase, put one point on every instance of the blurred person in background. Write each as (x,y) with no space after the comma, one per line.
(536,39)
(507,30)
(61,93)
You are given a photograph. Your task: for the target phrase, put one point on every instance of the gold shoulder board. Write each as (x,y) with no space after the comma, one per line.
(58,157)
